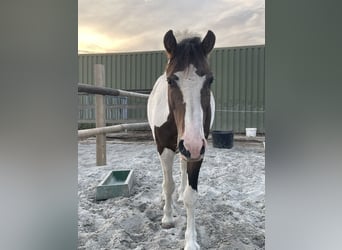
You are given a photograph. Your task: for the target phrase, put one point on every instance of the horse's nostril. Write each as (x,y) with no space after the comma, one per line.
(202,150)
(183,150)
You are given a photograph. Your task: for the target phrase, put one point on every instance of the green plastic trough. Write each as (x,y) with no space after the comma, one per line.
(116,183)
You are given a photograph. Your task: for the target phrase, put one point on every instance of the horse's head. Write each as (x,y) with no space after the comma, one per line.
(190,100)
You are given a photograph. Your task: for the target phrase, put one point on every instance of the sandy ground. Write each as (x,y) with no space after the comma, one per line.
(230,213)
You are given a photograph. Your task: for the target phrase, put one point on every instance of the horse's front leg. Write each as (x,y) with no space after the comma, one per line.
(166,159)
(190,200)
(184,179)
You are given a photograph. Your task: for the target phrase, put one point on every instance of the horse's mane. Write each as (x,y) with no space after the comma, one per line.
(185,34)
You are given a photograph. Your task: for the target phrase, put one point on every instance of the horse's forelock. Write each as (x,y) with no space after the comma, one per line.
(188,52)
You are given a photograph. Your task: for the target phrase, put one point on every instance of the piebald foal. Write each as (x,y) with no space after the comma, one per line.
(181,111)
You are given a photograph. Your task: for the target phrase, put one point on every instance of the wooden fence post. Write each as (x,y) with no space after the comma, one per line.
(99,78)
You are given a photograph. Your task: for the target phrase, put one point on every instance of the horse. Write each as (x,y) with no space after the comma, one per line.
(180,112)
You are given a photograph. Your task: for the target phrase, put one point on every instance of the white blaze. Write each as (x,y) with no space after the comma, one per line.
(190,85)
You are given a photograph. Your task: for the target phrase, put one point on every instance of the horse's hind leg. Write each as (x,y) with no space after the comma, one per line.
(166,160)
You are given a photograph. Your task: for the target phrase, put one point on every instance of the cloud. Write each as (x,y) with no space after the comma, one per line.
(138,25)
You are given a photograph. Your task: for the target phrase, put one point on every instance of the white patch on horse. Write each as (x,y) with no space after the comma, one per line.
(190,85)
(212,105)
(158,101)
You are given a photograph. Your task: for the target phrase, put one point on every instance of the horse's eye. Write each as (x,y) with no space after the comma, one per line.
(171,81)
(210,80)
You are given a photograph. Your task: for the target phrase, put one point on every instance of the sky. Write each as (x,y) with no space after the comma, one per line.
(106,26)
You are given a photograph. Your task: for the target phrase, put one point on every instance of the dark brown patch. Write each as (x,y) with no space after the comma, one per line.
(166,135)
(205,102)
(176,105)
(193,169)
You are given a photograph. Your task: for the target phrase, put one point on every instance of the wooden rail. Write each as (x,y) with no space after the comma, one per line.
(91,89)
(84,133)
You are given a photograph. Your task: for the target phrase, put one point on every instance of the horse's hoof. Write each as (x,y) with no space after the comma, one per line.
(167,224)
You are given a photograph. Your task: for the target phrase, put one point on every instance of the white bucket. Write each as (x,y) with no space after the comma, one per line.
(251,132)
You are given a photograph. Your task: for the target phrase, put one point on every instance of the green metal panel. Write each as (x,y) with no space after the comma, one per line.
(128,71)
(239,88)
(239,85)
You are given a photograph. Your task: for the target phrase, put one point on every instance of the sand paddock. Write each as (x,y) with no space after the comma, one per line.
(230,213)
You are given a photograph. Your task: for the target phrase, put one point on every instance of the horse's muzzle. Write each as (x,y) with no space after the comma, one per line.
(186,153)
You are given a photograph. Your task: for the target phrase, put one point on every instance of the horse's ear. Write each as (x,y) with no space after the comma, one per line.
(208,42)
(170,43)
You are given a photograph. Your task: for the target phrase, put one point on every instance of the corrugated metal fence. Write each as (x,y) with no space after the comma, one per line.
(239,85)
(239,88)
